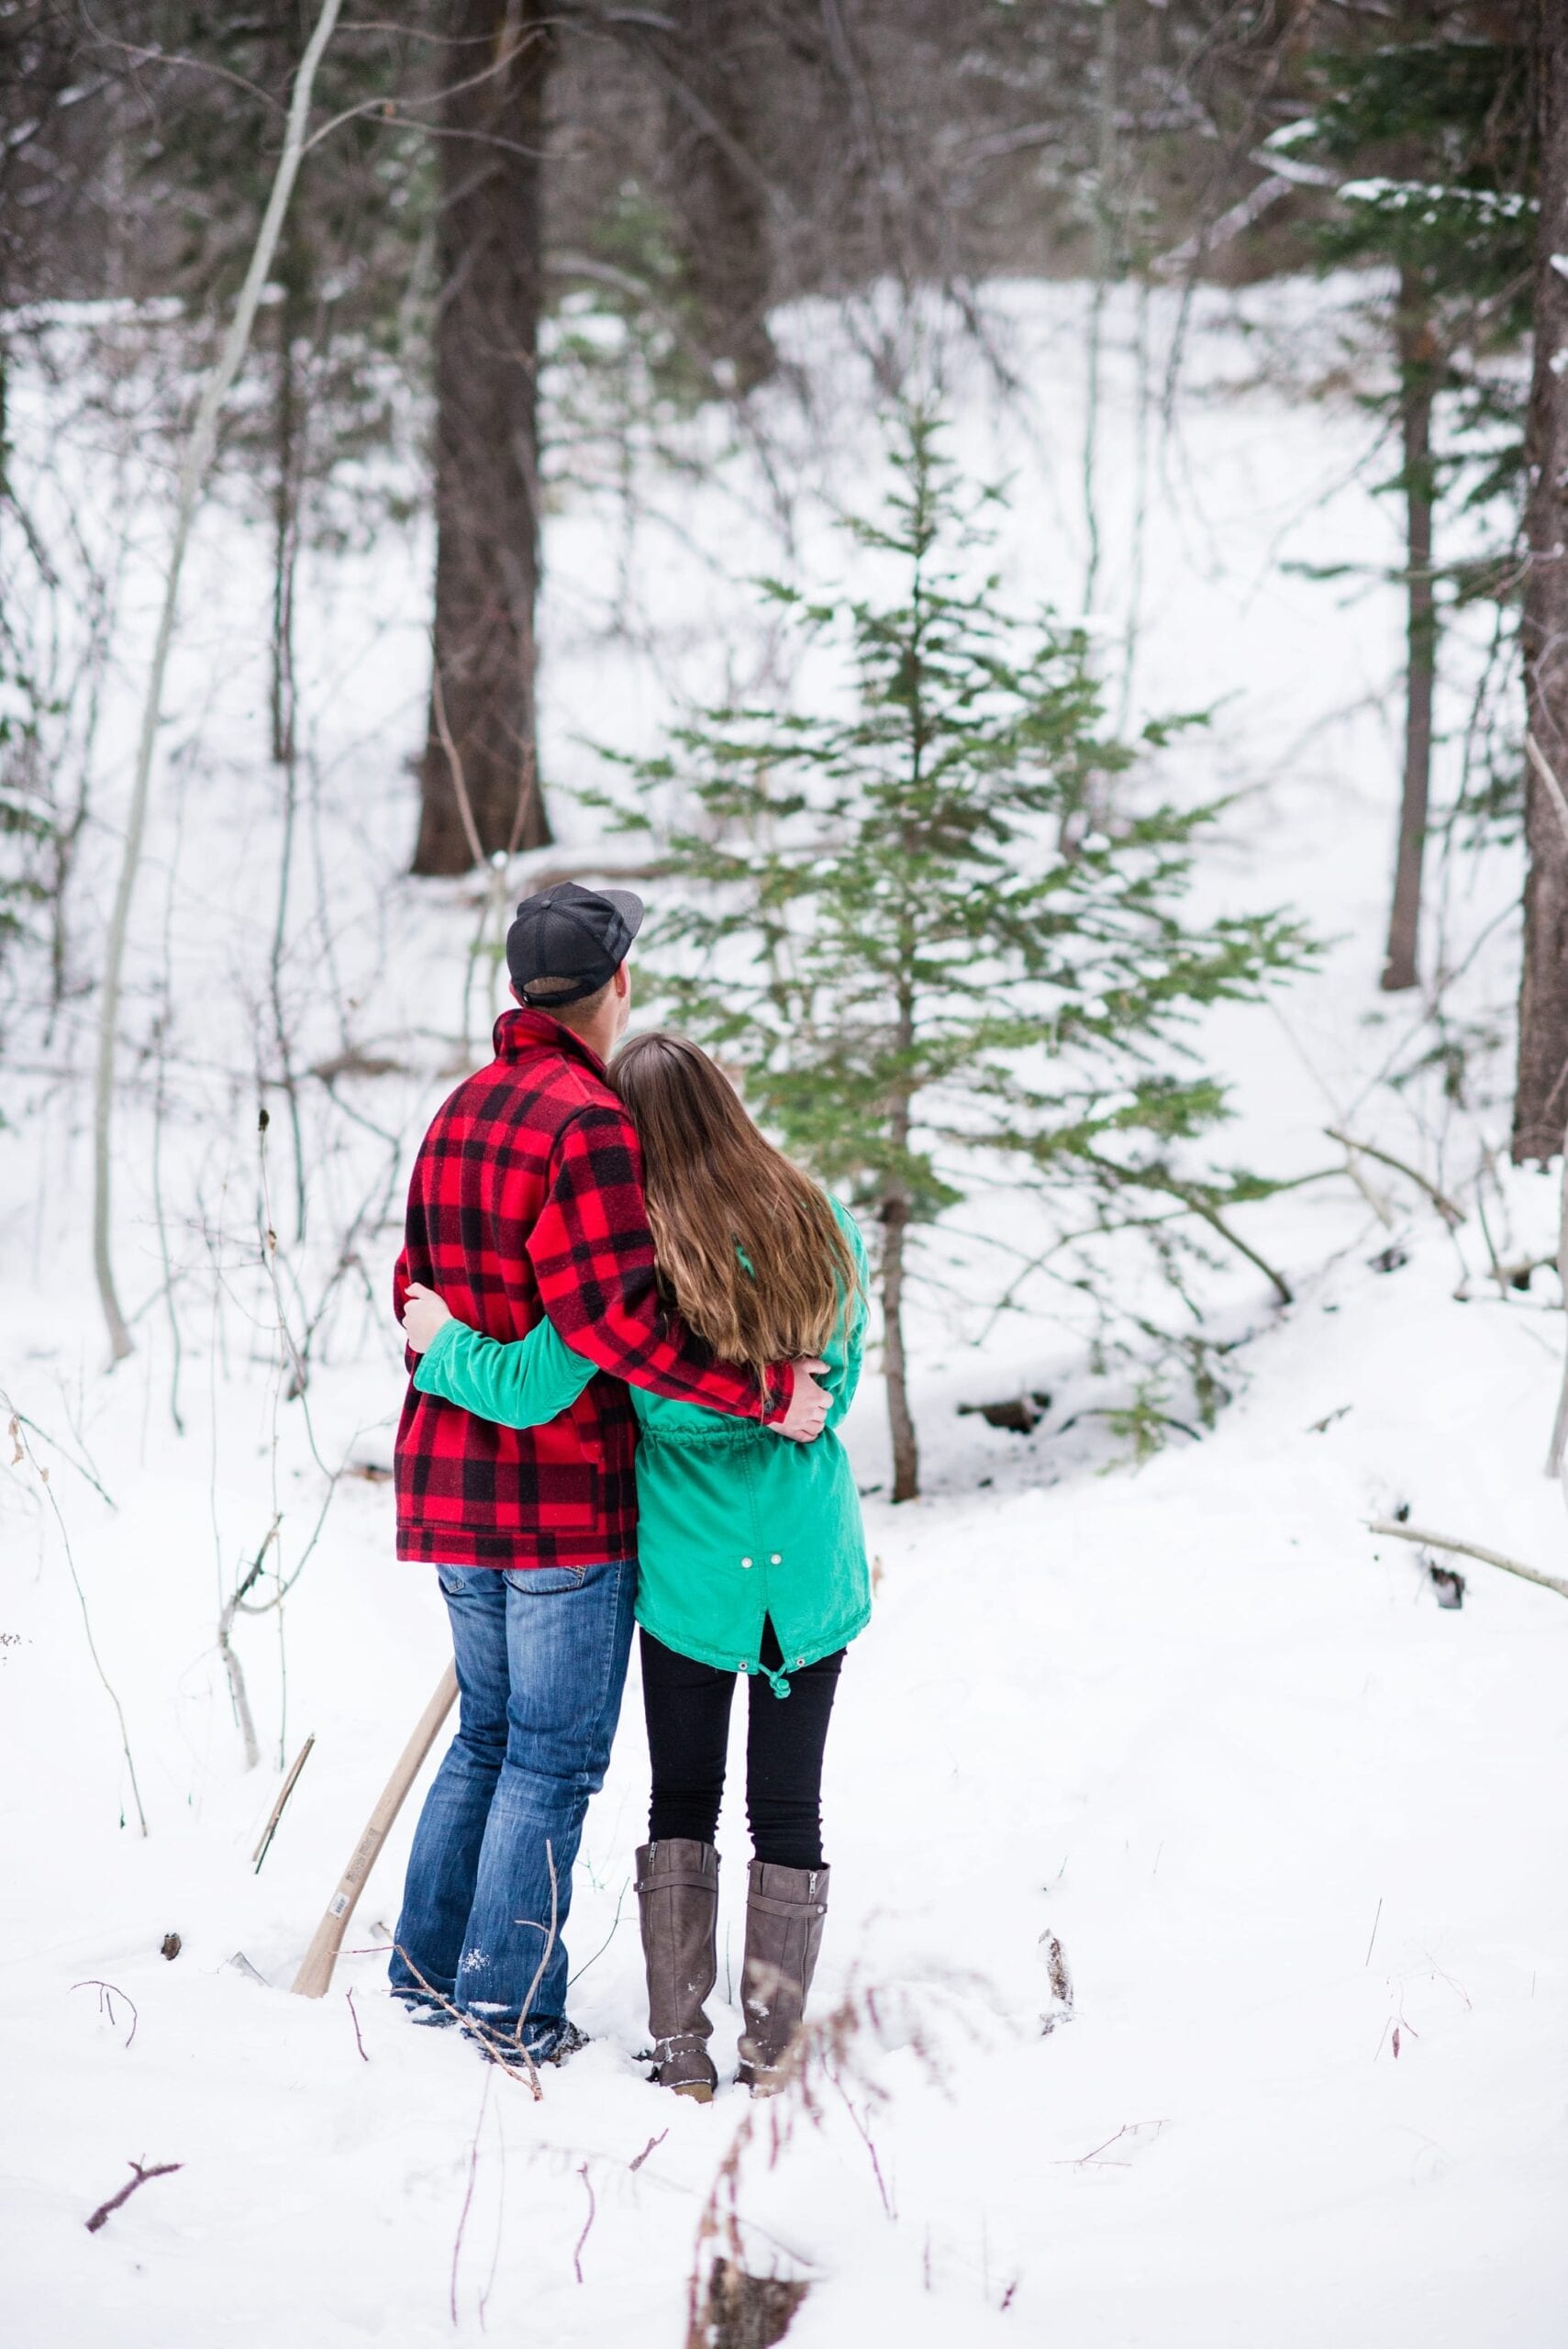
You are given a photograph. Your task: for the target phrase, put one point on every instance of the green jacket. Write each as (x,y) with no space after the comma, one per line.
(735,1523)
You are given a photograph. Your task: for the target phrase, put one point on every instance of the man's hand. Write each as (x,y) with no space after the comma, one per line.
(808,1412)
(422,1316)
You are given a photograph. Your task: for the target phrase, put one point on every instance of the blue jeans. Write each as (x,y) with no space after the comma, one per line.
(542,1656)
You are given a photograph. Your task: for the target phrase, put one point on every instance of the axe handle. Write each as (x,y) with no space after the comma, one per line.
(314,1975)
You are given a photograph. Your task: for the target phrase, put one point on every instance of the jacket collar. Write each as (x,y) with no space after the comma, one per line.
(517,1033)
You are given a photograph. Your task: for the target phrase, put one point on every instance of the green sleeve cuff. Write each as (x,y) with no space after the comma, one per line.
(427,1368)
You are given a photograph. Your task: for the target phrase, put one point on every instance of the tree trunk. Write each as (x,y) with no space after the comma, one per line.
(1418,382)
(905,1451)
(716,190)
(480,745)
(1541,1096)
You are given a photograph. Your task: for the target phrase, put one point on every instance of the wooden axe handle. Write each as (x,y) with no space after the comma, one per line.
(314,1975)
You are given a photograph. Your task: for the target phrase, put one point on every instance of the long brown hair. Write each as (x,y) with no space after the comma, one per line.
(716,1188)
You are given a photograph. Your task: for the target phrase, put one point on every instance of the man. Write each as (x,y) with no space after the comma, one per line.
(527,1198)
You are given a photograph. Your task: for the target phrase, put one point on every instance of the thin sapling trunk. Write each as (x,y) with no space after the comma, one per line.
(906,1450)
(1417,371)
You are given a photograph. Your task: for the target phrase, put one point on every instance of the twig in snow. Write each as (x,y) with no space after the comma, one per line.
(605,1943)
(140,2173)
(22,1450)
(870,2143)
(588,2188)
(1468,1550)
(107,1993)
(300,1759)
(653,2142)
(467,2198)
(1127,2128)
(1403,2023)
(500,2050)
(1375,1922)
(354,2019)
(1452,1215)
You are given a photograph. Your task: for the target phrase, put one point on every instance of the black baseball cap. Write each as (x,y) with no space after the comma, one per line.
(573,934)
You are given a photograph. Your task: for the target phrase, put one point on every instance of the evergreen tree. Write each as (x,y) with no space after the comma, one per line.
(1426,129)
(918,931)
(29,826)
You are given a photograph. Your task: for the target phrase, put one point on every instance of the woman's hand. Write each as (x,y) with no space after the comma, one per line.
(808,1413)
(422,1316)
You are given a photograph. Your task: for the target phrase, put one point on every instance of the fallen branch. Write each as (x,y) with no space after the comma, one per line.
(1467,1550)
(140,2173)
(1452,1215)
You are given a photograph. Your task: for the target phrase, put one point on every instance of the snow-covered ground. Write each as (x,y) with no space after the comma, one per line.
(1296,1829)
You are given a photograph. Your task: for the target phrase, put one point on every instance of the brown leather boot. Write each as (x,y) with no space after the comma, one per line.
(784,1911)
(677,1893)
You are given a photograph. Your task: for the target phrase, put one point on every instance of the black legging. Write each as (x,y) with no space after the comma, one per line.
(687,1707)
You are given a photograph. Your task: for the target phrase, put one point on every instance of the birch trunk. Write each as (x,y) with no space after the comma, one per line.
(193,472)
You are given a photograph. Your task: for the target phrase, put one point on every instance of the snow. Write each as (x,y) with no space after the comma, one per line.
(1190,1717)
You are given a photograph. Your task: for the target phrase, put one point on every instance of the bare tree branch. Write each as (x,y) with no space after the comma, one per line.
(1466,1550)
(193,472)
(140,2175)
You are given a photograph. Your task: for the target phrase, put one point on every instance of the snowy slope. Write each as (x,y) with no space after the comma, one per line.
(1191,1719)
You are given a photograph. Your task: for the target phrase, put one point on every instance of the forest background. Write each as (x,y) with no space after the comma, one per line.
(777,454)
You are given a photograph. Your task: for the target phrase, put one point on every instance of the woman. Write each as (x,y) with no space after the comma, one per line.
(751,1551)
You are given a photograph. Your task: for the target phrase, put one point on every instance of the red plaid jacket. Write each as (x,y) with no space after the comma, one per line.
(527,1198)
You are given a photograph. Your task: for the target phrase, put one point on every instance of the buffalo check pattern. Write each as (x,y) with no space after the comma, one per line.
(527,1198)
